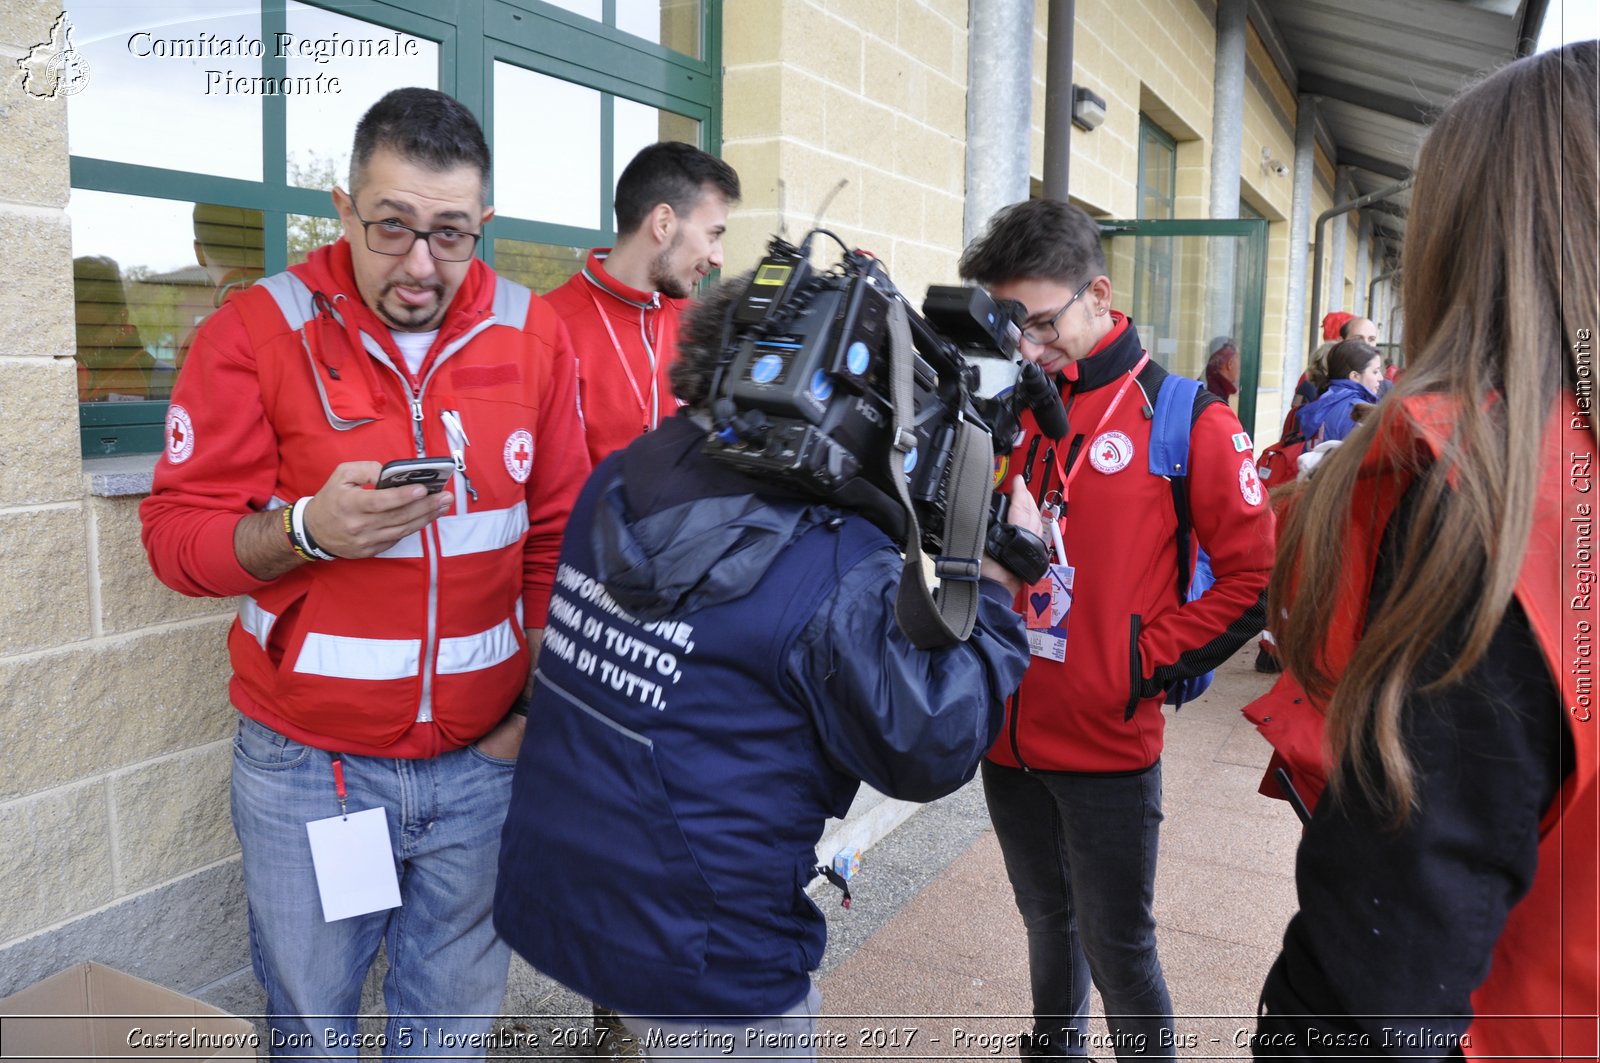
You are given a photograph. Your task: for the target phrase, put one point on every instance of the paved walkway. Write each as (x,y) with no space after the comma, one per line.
(930,963)
(939,971)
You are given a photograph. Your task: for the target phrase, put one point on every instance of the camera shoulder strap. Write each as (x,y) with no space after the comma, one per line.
(932,620)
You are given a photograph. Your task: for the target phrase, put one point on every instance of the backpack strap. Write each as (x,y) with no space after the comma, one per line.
(1178,402)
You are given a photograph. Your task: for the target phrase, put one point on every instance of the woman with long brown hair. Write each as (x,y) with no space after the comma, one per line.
(1435,597)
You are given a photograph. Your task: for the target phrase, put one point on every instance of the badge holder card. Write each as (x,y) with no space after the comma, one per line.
(353,859)
(1049,600)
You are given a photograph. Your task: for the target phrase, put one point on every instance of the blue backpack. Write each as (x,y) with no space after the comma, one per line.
(1178,402)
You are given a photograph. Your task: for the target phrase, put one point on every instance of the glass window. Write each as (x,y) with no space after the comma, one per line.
(674,24)
(539,266)
(634,126)
(637,125)
(307,232)
(167,87)
(587,8)
(1158,172)
(546,149)
(368,59)
(145,273)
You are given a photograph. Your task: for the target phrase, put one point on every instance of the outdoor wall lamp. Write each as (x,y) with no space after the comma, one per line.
(1088,110)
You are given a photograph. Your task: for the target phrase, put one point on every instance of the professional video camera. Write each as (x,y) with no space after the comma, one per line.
(831,384)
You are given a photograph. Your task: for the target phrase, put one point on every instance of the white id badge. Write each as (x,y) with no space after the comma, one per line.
(354,863)
(1048,603)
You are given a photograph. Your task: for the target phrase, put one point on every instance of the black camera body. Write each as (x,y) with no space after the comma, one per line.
(803,397)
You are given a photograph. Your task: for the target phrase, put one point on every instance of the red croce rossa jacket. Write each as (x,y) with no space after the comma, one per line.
(421,649)
(622,369)
(1128,633)
(1539,998)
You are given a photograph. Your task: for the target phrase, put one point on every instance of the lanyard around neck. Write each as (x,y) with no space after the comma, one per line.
(1066,478)
(650,414)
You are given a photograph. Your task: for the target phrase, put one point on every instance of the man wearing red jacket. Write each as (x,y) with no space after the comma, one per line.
(385,636)
(1074,781)
(623,307)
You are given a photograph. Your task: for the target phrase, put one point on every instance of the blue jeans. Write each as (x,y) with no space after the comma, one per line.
(1080,851)
(791,1036)
(447,967)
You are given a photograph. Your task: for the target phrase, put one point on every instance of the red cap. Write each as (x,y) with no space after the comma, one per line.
(1332,322)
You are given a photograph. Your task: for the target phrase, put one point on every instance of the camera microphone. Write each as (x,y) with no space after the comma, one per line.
(1042,397)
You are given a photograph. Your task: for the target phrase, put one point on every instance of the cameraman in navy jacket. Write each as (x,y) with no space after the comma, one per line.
(721,671)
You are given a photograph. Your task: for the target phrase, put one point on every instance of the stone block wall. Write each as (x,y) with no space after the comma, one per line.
(114,757)
(870,93)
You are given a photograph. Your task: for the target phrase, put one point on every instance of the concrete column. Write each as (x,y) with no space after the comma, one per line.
(999,102)
(1227,109)
(1305,158)
(1334,297)
(1363,263)
(1393,315)
(1227,139)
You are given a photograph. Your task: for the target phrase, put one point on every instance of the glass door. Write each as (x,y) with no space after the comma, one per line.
(1190,287)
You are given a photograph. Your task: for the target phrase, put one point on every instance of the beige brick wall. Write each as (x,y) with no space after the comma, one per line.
(869,92)
(113,760)
(1155,56)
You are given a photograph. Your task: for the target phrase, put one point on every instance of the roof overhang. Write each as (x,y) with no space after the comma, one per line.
(1380,70)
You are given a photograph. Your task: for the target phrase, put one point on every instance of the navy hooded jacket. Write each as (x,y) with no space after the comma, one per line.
(719,672)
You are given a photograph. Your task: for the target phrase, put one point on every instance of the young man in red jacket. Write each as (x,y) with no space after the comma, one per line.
(623,307)
(1074,781)
(385,636)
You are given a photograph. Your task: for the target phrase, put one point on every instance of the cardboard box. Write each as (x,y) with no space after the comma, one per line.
(94,1012)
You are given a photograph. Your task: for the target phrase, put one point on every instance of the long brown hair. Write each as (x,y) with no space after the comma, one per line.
(1499,283)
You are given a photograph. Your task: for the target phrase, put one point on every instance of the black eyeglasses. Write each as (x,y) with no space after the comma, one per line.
(1046,333)
(392,238)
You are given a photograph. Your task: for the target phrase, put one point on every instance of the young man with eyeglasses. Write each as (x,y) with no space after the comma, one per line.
(385,636)
(1074,781)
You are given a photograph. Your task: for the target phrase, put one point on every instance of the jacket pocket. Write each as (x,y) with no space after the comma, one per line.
(1135,670)
(594,836)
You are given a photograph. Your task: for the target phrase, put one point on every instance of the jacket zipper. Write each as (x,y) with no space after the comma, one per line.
(1016,745)
(1135,673)
(429,662)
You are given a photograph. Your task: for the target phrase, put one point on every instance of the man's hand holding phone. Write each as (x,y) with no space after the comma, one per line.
(348,520)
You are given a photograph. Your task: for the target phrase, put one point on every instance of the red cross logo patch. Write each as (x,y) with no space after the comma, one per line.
(1111,452)
(180,435)
(1249,483)
(519,455)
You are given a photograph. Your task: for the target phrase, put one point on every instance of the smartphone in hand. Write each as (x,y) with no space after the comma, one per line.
(432,473)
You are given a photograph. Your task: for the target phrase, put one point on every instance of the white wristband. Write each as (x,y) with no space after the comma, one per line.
(297,523)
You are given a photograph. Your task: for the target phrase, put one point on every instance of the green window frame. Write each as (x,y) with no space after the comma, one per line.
(1157,201)
(471,36)
(1158,172)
